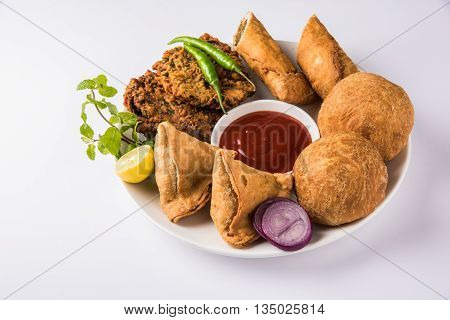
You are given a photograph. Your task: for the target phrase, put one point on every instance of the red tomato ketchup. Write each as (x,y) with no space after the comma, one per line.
(266,140)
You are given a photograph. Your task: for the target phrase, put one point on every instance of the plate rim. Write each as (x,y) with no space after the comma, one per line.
(346,229)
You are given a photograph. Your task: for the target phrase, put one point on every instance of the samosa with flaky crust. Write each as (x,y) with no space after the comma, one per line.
(321,58)
(265,57)
(183,171)
(236,192)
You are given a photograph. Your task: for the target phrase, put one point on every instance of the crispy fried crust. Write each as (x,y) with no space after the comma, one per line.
(183,171)
(177,92)
(321,58)
(180,75)
(268,61)
(236,192)
(372,106)
(340,178)
(146,98)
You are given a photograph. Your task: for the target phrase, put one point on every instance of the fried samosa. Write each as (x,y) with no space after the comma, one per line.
(236,192)
(183,171)
(265,57)
(321,58)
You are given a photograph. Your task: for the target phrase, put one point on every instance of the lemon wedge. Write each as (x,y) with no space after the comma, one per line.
(136,165)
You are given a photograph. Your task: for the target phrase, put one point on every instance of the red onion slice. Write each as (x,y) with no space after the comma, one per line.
(259,213)
(286,225)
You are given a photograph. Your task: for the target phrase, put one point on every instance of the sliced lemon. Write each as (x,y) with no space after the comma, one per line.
(136,165)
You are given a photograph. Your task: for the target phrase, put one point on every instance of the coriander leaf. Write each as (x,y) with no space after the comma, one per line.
(115,119)
(102,148)
(86,131)
(83,111)
(100,80)
(128,118)
(112,108)
(90,151)
(86,84)
(86,140)
(107,91)
(111,140)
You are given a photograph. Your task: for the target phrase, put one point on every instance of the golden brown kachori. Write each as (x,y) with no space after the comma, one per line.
(340,178)
(372,106)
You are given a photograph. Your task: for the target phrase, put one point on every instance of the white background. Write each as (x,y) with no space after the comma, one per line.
(53,200)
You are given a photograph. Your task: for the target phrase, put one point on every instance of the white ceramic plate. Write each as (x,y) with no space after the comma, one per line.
(199,230)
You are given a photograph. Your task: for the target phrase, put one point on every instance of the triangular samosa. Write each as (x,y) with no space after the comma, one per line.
(183,169)
(236,192)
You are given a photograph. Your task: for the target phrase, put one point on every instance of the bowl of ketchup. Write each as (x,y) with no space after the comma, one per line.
(267,135)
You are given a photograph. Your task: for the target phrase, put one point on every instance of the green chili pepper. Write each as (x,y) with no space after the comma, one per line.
(208,70)
(218,55)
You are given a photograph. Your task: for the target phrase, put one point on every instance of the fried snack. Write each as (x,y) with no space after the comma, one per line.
(146,98)
(371,106)
(340,178)
(321,58)
(265,58)
(236,192)
(183,170)
(179,74)
(177,92)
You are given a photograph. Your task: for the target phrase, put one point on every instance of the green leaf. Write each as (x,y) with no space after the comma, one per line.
(102,148)
(83,111)
(134,134)
(90,151)
(128,118)
(100,104)
(107,91)
(111,140)
(130,147)
(112,108)
(125,128)
(90,98)
(86,131)
(86,84)
(149,142)
(100,80)
(86,140)
(115,119)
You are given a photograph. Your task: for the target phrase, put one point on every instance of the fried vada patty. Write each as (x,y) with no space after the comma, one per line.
(181,77)
(146,97)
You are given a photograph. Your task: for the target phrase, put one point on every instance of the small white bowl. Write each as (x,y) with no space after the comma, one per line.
(264,105)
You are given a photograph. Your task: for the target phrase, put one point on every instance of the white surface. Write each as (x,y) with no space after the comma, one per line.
(54,200)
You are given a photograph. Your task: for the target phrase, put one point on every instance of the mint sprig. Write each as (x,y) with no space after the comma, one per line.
(114,138)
